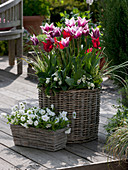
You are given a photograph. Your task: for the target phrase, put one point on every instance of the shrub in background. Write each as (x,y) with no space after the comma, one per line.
(3,48)
(114,20)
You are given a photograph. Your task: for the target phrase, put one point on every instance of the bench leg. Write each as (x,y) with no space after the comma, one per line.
(19,55)
(11,47)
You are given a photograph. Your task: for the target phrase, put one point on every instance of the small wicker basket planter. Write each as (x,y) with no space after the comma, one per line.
(39,138)
(86,104)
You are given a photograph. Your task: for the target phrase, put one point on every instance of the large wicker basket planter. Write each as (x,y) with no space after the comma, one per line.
(39,138)
(86,103)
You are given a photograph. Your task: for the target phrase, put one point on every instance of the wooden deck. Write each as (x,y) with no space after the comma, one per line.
(14,89)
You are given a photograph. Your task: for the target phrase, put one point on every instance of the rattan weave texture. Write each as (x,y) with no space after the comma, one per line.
(86,103)
(39,138)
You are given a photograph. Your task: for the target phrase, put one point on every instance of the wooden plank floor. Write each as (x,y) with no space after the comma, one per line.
(13,89)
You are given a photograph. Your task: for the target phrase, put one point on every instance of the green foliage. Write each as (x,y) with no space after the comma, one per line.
(117,144)
(3,48)
(34,8)
(114,20)
(118,120)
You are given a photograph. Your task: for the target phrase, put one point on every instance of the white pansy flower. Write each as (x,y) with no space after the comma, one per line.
(78,81)
(32,116)
(18,115)
(55,78)
(83,80)
(57,120)
(42,111)
(89,87)
(15,108)
(68,131)
(22,119)
(3,115)
(55,74)
(48,110)
(65,118)
(45,118)
(22,106)
(90,2)
(51,113)
(29,112)
(47,80)
(67,77)
(21,112)
(92,85)
(30,122)
(13,113)
(60,82)
(52,106)
(74,115)
(36,123)
(48,96)
(63,114)
(48,125)
(24,125)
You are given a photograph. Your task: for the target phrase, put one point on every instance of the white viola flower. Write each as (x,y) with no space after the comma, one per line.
(48,96)
(63,114)
(55,78)
(74,115)
(42,111)
(48,125)
(51,113)
(68,131)
(24,125)
(65,118)
(55,74)
(14,108)
(48,110)
(32,116)
(22,119)
(45,118)
(21,112)
(89,87)
(13,113)
(3,115)
(52,106)
(60,82)
(18,115)
(92,85)
(83,80)
(57,120)
(36,123)
(30,122)
(47,80)
(22,106)
(29,112)
(90,2)
(67,77)
(78,81)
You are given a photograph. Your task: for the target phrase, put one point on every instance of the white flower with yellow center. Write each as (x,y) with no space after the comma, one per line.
(78,81)
(30,122)
(36,123)
(22,119)
(45,118)
(47,80)
(48,125)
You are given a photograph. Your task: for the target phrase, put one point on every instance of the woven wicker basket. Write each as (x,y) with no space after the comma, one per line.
(86,103)
(39,138)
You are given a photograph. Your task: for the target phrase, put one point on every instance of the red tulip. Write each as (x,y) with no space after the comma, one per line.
(48,46)
(67,34)
(95,42)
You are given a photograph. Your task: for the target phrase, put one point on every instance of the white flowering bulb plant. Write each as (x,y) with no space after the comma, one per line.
(36,117)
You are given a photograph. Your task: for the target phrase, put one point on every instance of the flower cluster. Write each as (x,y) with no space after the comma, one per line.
(35,117)
(70,58)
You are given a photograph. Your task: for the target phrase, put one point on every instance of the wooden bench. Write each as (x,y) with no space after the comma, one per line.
(11,29)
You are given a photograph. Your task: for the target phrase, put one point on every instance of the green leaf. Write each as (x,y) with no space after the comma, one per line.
(70,81)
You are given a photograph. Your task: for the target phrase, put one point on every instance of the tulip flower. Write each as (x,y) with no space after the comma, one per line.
(95,33)
(34,40)
(96,43)
(50,38)
(56,32)
(78,33)
(65,41)
(82,22)
(67,34)
(48,46)
(47,27)
(70,22)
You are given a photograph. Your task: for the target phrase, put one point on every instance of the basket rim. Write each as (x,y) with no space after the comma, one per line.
(39,129)
(74,90)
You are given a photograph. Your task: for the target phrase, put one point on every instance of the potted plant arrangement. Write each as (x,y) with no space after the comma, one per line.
(38,128)
(34,14)
(69,74)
